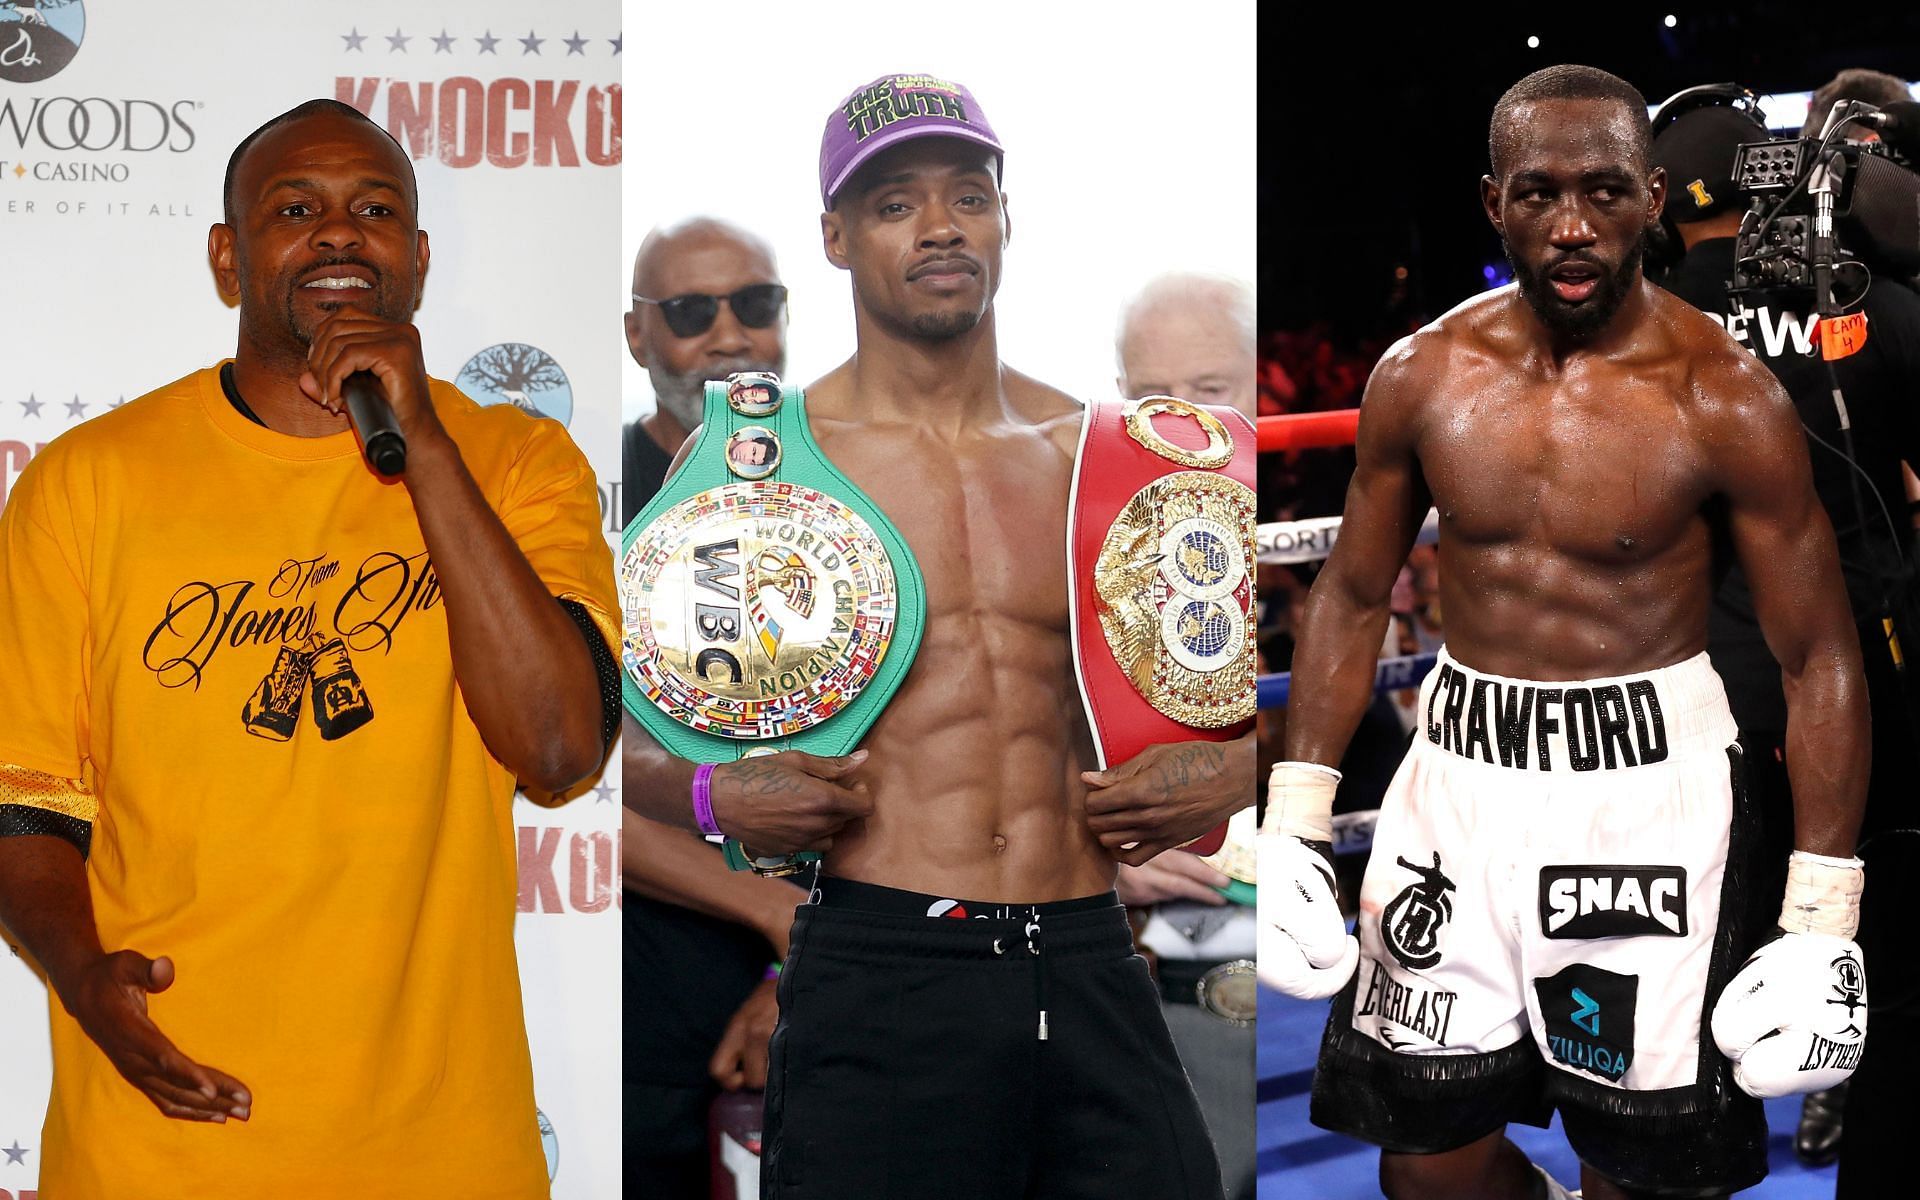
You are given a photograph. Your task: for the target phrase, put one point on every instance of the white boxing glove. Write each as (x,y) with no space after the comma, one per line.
(1305,949)
(1794,1017)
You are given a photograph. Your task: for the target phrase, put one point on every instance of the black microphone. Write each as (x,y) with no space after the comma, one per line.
(1899,126)
(381,441)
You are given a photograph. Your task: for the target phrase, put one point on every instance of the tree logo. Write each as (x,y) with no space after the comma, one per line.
(38,38)
(524,376)
(549,1144)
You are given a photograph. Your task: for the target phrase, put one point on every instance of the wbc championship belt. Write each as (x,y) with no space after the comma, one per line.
(769,604)
(1160,546)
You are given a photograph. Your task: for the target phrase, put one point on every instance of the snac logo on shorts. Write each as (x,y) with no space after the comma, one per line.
(1581,902)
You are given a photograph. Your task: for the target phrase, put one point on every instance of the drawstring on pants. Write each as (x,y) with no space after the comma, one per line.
(1039,970)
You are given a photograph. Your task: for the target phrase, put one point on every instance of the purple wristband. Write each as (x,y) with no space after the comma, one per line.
(703,800)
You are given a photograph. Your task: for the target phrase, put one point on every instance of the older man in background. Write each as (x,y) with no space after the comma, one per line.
(1192,336)
(699,1008)
(707,301)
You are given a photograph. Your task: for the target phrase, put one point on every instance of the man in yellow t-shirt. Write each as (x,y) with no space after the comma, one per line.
(262,716)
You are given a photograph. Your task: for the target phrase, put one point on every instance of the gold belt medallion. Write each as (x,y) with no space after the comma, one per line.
(1231,992)
(1176,596)
(756,610)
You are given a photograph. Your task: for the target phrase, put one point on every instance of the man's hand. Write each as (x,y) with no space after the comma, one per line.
(787,802)
(1167,795)
(108,997)
(1305,950)
(1170,877)
(352,339)
(1794,1017)
(741,1060)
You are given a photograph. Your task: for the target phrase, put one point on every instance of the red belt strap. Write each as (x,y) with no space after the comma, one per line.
(1113,467)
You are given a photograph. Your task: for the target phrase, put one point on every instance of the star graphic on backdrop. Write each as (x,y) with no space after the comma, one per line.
(75,408)
(397,41)
(15,1153)
(576,44)
(19,169)
(31,405)
(353,39)
(118,403)
(616,43)
(530,44)
(443,43)
(488,42)
(603,794)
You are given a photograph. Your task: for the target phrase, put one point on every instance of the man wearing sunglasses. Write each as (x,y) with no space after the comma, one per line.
(1019,1051)
(707,301)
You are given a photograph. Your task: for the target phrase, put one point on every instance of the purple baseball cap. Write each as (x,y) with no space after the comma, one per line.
(894,109)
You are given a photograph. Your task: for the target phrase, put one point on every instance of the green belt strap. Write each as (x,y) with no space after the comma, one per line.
(800,462)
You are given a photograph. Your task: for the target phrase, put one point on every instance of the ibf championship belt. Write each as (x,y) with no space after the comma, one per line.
(1160,568)
(769,604)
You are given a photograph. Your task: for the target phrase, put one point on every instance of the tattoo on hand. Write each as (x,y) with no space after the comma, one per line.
(762,779)
(1193,763)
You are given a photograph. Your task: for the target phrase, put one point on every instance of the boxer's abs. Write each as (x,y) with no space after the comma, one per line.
(975,772)
(975,764)
(1536,612)
(1573,538)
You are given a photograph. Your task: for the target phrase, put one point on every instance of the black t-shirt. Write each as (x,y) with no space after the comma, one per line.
(1881,384)
(685,973)
(643,468)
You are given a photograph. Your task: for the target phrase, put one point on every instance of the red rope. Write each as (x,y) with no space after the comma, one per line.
(1301,431)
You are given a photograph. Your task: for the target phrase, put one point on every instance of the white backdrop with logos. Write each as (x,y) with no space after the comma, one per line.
(1128,127)
(116,120)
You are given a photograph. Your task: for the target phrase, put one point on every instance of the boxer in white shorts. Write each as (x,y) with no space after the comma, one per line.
(1550,918)
(1547,886)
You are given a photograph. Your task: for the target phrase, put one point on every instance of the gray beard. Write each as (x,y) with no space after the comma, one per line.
(684,396)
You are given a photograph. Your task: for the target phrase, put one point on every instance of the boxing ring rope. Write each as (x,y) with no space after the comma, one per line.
(1289,542)
(1392,675)
(1305,431)
(1286,543)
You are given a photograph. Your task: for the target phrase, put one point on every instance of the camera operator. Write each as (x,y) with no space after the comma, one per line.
(1855,83)
(1881,388)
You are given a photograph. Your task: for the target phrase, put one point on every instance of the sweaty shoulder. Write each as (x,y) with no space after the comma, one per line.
(1724,383)
(1415,369)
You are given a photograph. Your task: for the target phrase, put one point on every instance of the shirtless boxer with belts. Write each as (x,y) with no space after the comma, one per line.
(1022,1054)
(1548,914)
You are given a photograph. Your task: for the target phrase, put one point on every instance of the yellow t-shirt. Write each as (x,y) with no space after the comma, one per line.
(236,638)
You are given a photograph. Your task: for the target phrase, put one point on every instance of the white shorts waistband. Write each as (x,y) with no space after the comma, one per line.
(1575,726)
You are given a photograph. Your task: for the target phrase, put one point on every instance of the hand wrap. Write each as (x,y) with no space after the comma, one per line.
(1305,949)
(1794,1017)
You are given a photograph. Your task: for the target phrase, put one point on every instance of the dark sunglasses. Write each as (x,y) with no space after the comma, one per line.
(756,306)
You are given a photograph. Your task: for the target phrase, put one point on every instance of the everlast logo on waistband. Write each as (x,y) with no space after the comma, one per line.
(1582,728)
(1579,902)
